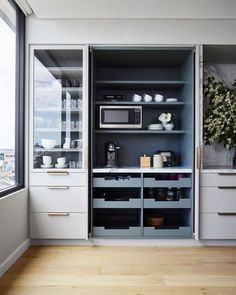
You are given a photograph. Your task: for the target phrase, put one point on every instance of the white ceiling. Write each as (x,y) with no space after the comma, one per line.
(95,9)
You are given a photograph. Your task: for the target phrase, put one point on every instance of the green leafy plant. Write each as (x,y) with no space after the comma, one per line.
(220,115)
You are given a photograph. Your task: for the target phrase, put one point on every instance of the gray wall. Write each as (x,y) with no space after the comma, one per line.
(13,223)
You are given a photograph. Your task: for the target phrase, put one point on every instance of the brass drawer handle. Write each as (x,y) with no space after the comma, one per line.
(58,213)
(227,187)
(61,172)
(57,187)
(226,213)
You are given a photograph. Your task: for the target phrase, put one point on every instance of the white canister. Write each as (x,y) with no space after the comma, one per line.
(157,161)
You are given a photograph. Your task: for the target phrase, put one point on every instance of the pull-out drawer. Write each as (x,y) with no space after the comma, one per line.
(218,179)
(62,177)
(102,203)
(153,182)
(111,181)
(58,198)
(218,199)
(100,231)
(58,225)
(182,203)
(218,225)
(182,231)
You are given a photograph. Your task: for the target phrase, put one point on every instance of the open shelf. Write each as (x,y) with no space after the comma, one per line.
(56,150)
(141,84)
(141,131)
(75,110)
(63,89)
(56,130)
(144,104)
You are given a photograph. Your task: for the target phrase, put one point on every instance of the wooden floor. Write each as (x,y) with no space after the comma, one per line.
(76,270)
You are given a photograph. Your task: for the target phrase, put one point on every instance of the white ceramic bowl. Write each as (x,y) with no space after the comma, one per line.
(147,97)
(136,98)
(168,126)
(61,161)
(158,98)
(48,143)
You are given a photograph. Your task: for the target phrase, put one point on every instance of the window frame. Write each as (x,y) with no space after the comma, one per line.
(19,104)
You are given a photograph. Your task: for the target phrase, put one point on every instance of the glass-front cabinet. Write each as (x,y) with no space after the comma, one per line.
(59,108)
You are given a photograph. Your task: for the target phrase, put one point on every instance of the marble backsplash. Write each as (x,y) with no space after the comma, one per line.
(217,155)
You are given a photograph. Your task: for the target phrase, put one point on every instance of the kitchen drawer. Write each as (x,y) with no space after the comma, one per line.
(100,231)
(182,182)
(102,203)
(217,199)
(215,226)
(182,203)
(116,182)
(59,199)
(70,226)
(58,178)
(181,232)
(217,179)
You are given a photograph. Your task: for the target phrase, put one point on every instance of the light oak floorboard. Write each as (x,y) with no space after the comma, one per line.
(70,270)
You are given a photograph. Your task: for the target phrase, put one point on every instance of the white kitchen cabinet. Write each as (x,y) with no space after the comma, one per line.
(217,206)
(58,142)
(58,225)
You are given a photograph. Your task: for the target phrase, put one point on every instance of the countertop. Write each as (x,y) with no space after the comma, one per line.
(143,170)
(218,169)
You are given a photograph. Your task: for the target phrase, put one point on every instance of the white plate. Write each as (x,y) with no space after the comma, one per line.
(61,166)
(171,99)
(46,166)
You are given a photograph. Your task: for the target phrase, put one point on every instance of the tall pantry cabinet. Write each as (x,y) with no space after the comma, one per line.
(58,142)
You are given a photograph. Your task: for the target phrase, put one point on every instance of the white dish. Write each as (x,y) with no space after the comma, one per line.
(61,166)
(46,166)
(48,143)
(171,99)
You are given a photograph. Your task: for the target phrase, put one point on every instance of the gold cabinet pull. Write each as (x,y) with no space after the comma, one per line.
(60,172)
(58,213)
(58,187)
(199,157)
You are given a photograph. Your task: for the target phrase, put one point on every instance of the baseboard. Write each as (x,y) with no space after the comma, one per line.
(14,256)
(134,242)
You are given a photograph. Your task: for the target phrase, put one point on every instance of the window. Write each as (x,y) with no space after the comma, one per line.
(11,97)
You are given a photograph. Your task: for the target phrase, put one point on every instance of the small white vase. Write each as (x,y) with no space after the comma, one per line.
(168,126)
(66,145)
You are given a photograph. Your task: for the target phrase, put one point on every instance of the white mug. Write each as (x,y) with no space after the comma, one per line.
(61,161)
(158,97)
(136,97)
(147,97)
(47,160)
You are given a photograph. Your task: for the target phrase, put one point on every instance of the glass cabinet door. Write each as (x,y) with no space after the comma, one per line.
(58,139)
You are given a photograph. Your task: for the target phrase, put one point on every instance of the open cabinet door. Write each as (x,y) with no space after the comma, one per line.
(198,134)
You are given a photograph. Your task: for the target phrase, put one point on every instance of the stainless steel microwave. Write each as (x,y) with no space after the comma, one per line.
(120,117)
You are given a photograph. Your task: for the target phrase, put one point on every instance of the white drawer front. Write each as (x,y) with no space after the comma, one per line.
(58,198)
(217,199)
(66,178)
(71,226)
(214,226)
(216,179)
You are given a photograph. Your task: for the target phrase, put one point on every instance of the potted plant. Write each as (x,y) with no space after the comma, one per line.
(220,115)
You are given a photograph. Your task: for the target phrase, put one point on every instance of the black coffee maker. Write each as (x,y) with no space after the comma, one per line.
(111,154)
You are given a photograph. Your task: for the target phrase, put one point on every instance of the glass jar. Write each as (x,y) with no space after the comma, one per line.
(170,195)
(179,194)
(161,195)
